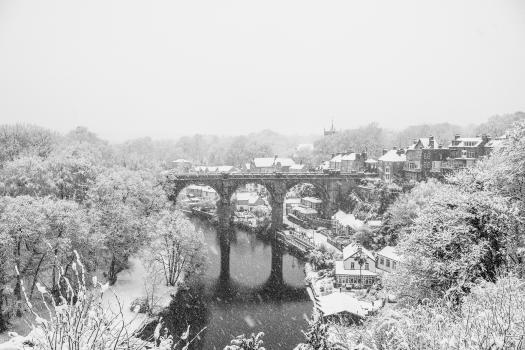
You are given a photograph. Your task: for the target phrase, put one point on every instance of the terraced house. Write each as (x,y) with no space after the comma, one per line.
(464,152)
(423,159)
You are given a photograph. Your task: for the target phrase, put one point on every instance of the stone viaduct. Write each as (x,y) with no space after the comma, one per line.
(328,186)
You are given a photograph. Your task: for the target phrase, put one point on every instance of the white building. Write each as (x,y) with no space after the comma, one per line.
(246,201)
(200,191)
(387,259)
(345,224)
(271,164)
(358,267)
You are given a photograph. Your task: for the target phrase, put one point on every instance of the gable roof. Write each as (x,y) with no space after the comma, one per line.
(337,158)
(248,197)
(390,252)
(353,248)
(393,156)
(460,142)
(350,156)
(313,200)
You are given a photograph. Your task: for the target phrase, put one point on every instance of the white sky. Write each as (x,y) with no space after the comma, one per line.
(165,68)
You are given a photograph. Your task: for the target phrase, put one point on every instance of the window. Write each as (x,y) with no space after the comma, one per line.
(381,261)
(387,263)
(352,266)
(367,267)
(393,265)
(471,154)
(387,170)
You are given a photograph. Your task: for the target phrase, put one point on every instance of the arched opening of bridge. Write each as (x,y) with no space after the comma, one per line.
(198,199)
(251,207)
(307,210)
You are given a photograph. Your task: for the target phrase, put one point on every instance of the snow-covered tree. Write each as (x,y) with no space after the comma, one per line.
(457,239)
(177,247)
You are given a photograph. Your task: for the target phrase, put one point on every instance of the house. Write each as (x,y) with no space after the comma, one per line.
(494,143)
(304,212)
(335,161)
(216,169)
(246,201)
(390,164)
(370,165)
(201,191)
(352,162)
(423,159)
(182,166)
(344,224)
(312,202)
(464,152)
(271,164)
(358,267)
(290,203)
(387,259)
(348,162)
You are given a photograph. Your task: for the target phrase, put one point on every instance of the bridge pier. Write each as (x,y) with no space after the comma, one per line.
(276,273)
(224,211)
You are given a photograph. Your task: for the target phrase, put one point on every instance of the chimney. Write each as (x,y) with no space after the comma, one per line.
(363,155)
(440,146)
(431,141)
(394,148)
(400,151)
(384,151)
(457,136)
(414,141)
(485,138)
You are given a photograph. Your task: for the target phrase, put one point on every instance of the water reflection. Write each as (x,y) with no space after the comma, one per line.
(261,289)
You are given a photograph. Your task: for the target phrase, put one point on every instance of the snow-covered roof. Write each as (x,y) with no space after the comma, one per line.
(201,188)
(424,141)
(297,167)
(304,210)
(271,161)
(313,200)
(462,142)
(390,253)
(249,197)
(292,201)
(335,303)
(180,160)
(325,165)
(353,248)
(350,156)
(336,158)
(370,161)
(347,220)
(496,142)
(393,156)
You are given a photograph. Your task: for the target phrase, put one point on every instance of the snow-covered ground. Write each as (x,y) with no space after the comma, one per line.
(131,284)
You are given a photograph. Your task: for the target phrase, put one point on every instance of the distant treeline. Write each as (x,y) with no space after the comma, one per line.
(16,140)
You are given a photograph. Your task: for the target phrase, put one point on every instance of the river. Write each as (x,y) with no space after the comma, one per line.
(249,301)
